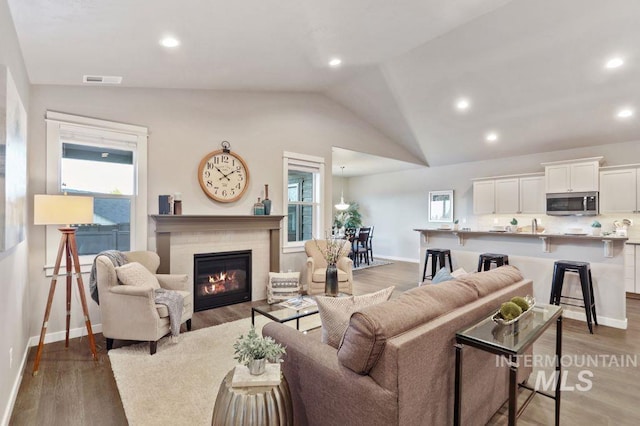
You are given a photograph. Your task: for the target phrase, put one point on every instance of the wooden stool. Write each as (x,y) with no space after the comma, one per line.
(437,256)
(586,283)
(486,259)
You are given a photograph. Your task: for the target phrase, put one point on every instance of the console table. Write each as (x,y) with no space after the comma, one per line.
(510,341)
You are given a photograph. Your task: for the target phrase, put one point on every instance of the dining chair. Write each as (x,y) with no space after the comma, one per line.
(361,248)
(370,244)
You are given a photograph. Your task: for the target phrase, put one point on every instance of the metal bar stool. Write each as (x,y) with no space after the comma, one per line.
(437,256)
(586,283)
(486,259)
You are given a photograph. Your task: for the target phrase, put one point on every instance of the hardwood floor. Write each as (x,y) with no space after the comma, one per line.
(70,389)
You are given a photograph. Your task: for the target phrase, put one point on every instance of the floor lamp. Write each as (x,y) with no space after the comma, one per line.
(64,210)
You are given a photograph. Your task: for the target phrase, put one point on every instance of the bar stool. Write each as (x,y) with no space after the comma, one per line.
(486,259)
(584,269)
(437,256)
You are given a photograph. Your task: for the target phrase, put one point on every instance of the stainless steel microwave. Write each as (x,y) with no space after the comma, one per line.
(572,204)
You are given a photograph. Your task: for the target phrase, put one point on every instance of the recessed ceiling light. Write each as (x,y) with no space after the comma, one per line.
(625,113)
(614,63)
(335,62)
(170,42)
(463,104)
(491,137)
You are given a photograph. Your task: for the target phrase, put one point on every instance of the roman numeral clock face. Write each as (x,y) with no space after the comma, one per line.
(223,176)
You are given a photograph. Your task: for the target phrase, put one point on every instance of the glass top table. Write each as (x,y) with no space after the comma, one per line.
(510,341)
(281,314)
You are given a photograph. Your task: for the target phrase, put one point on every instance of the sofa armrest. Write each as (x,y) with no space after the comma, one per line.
(325,392)
(174,281)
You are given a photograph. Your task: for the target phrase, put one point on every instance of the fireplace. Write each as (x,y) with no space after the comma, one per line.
(221,279)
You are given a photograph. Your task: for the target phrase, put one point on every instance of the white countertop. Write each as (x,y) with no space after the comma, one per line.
(528,234)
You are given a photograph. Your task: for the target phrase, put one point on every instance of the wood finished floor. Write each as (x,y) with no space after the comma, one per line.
(70,389)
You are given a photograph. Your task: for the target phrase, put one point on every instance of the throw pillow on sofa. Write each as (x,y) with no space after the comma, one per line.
(283,286)
(135,273)
(335,312)
(441,276)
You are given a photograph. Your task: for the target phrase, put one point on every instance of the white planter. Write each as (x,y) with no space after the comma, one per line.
(595,232)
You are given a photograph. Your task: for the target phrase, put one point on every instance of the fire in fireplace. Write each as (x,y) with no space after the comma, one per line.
(221,279)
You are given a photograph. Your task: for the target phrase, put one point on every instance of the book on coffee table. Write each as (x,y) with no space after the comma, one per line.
(242,378)
(299,303)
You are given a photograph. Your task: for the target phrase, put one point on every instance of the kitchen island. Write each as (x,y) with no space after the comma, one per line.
(534,255)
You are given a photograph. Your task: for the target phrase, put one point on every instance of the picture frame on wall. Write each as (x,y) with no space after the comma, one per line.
(441,206)
(13,163)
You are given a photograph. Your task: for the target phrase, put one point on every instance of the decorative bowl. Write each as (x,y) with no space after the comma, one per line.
(497,317)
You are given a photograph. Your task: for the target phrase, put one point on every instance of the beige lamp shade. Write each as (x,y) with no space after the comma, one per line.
(62,209)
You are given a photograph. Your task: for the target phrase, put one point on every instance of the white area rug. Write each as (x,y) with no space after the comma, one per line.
(179,384)
(375,262)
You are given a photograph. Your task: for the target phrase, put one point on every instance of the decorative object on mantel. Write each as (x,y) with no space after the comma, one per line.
(253,351)
(258,208)
(177,203)
(223,175)
(164,204)
(595,228)
(266,201)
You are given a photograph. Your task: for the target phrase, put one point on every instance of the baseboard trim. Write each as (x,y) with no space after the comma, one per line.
(609,322)
(60,335)
(399,259)
(13,395)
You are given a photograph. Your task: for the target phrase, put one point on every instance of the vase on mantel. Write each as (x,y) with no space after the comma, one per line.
(331,280)
(266,201)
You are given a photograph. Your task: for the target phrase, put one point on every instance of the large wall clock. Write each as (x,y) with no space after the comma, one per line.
(223,175)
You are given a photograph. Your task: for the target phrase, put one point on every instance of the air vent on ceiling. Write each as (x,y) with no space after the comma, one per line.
(102,79)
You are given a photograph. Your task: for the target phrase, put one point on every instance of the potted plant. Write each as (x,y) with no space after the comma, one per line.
(596,228)
(455,224)
(514,225)
(253,351)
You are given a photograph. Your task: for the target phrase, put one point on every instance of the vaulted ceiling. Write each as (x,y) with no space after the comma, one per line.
(533,72)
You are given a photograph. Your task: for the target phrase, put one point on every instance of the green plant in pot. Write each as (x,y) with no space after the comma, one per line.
(514,225)
(596,227)
(253,351)
(349,219)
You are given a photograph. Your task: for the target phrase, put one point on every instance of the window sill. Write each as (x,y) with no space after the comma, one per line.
(293,249)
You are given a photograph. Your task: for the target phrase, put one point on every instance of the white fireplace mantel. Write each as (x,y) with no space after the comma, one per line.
(166,225)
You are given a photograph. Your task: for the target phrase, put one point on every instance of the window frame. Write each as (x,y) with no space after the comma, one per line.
(136,137)
(315,165)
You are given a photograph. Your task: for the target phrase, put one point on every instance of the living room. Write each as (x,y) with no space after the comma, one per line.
(185,122)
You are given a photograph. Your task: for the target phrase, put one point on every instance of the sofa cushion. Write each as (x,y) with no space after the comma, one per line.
(336,311)
(134,273)
(370,328)
(487,282)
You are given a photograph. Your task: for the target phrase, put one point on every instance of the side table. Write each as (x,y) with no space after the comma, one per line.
(255,405)
(511,341)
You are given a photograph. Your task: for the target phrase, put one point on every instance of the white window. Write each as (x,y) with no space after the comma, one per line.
(108,161)
(303,185)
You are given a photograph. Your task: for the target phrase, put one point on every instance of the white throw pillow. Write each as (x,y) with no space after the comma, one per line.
(135,274)
(283,286)
(459,272)
(335,312)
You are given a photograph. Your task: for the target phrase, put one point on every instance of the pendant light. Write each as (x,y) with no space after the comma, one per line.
(342,205)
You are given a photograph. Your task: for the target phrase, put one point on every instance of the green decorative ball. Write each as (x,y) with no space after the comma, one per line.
(510,310)
(520,301)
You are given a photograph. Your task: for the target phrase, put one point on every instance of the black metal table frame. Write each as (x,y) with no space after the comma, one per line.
(514,412)
(296,317)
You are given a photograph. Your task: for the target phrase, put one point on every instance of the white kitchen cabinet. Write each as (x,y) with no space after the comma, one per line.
(507,195)
(632,268)
(532,195)
(619,190)
(579,176)
(484,197)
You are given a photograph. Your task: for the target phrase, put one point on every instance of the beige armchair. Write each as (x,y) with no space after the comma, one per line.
(129,312)
(317,267)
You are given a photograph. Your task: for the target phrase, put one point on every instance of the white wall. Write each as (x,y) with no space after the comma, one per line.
(15,307)
(396,203)
(185,125)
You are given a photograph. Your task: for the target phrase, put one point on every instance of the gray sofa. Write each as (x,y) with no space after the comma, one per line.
(396,363)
